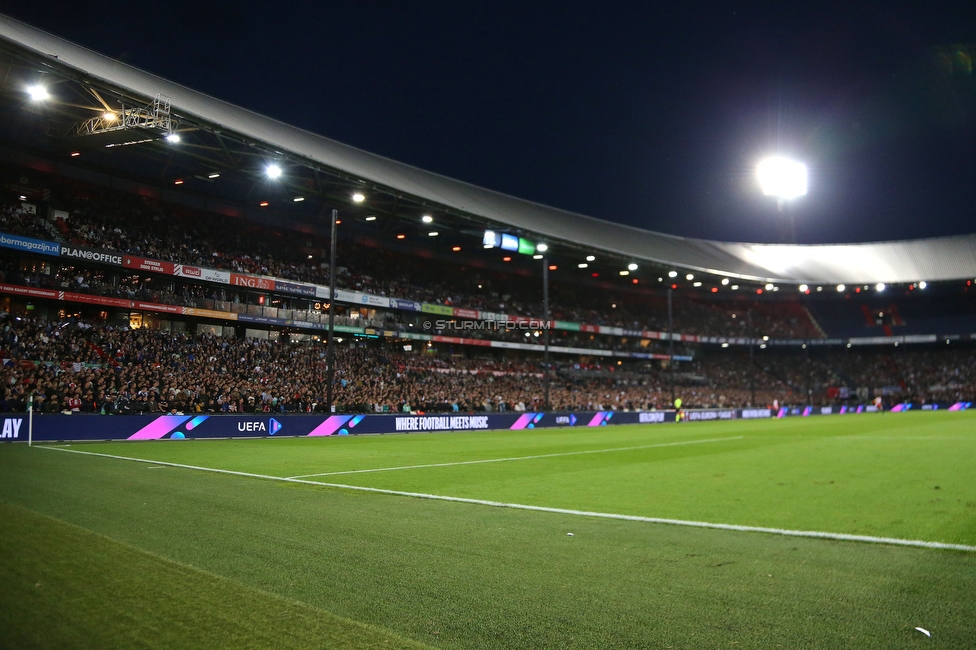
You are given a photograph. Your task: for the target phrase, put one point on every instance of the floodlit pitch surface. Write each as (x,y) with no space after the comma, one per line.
(99,551)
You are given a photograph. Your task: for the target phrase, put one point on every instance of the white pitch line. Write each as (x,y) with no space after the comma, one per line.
(844,537)
(502,460)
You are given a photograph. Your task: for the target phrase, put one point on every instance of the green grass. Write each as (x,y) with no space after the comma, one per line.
(64,586)
(457,575)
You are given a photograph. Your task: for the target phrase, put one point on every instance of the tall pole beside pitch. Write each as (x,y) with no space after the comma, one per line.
(752,359)
(332,280)
(30,419)
(545,331)
(671,342)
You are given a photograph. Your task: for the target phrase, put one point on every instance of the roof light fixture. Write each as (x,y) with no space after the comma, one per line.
(38,93)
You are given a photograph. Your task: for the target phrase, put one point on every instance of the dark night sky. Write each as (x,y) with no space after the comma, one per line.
(649,114)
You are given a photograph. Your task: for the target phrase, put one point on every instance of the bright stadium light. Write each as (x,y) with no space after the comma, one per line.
(631,267)
(38,93)
(591,258)
(804,288)
(769,286)
(725,282)
(108,116)
(273,171)
(542,248)
(358,198)
(923,284)
(690,276)
(840,288)
(427,218)
(672,274)
(782,178)
(582,265)
(172,138)
(879,287)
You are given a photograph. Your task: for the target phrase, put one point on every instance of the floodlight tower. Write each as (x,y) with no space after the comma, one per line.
(784,179)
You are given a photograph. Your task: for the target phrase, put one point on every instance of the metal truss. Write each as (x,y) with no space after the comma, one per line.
(154,116)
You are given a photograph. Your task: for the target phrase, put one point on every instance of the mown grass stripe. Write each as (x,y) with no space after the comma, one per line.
(511,458)
(845,537)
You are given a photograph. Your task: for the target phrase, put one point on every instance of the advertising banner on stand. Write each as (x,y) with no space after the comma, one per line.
(252,282)
(29,245)
(145,264)
(199,273)
(91,255)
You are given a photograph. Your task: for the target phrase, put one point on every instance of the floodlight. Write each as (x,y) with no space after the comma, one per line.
(213,175)
(880,286)
(542,248)
(582,265)
(631,267)
(38,93)
(173,138)
(782,178)
(690,276)
(590,258)
(273,171)
(735,287)
(625,273)
(536,257)
(108,116)
(427,218)
(923,284)
(358,198)
(725,282)
(298,199)
(697,284)
(804,288)
(840,288)
(672,274)
(371,218)
(433,233)
(769,286)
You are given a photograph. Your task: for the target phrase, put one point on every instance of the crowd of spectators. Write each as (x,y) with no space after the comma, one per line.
(138,225)
(79,366)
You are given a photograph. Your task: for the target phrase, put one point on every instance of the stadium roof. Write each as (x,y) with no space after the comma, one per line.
(944,258)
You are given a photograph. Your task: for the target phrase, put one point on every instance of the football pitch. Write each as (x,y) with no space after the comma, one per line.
(692,535)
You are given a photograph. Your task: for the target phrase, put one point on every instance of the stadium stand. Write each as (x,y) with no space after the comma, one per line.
(93,367)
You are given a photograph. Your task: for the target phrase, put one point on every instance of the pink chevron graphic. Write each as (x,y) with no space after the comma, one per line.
(331,425)
(159,427)
(522,422)
(597,419)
